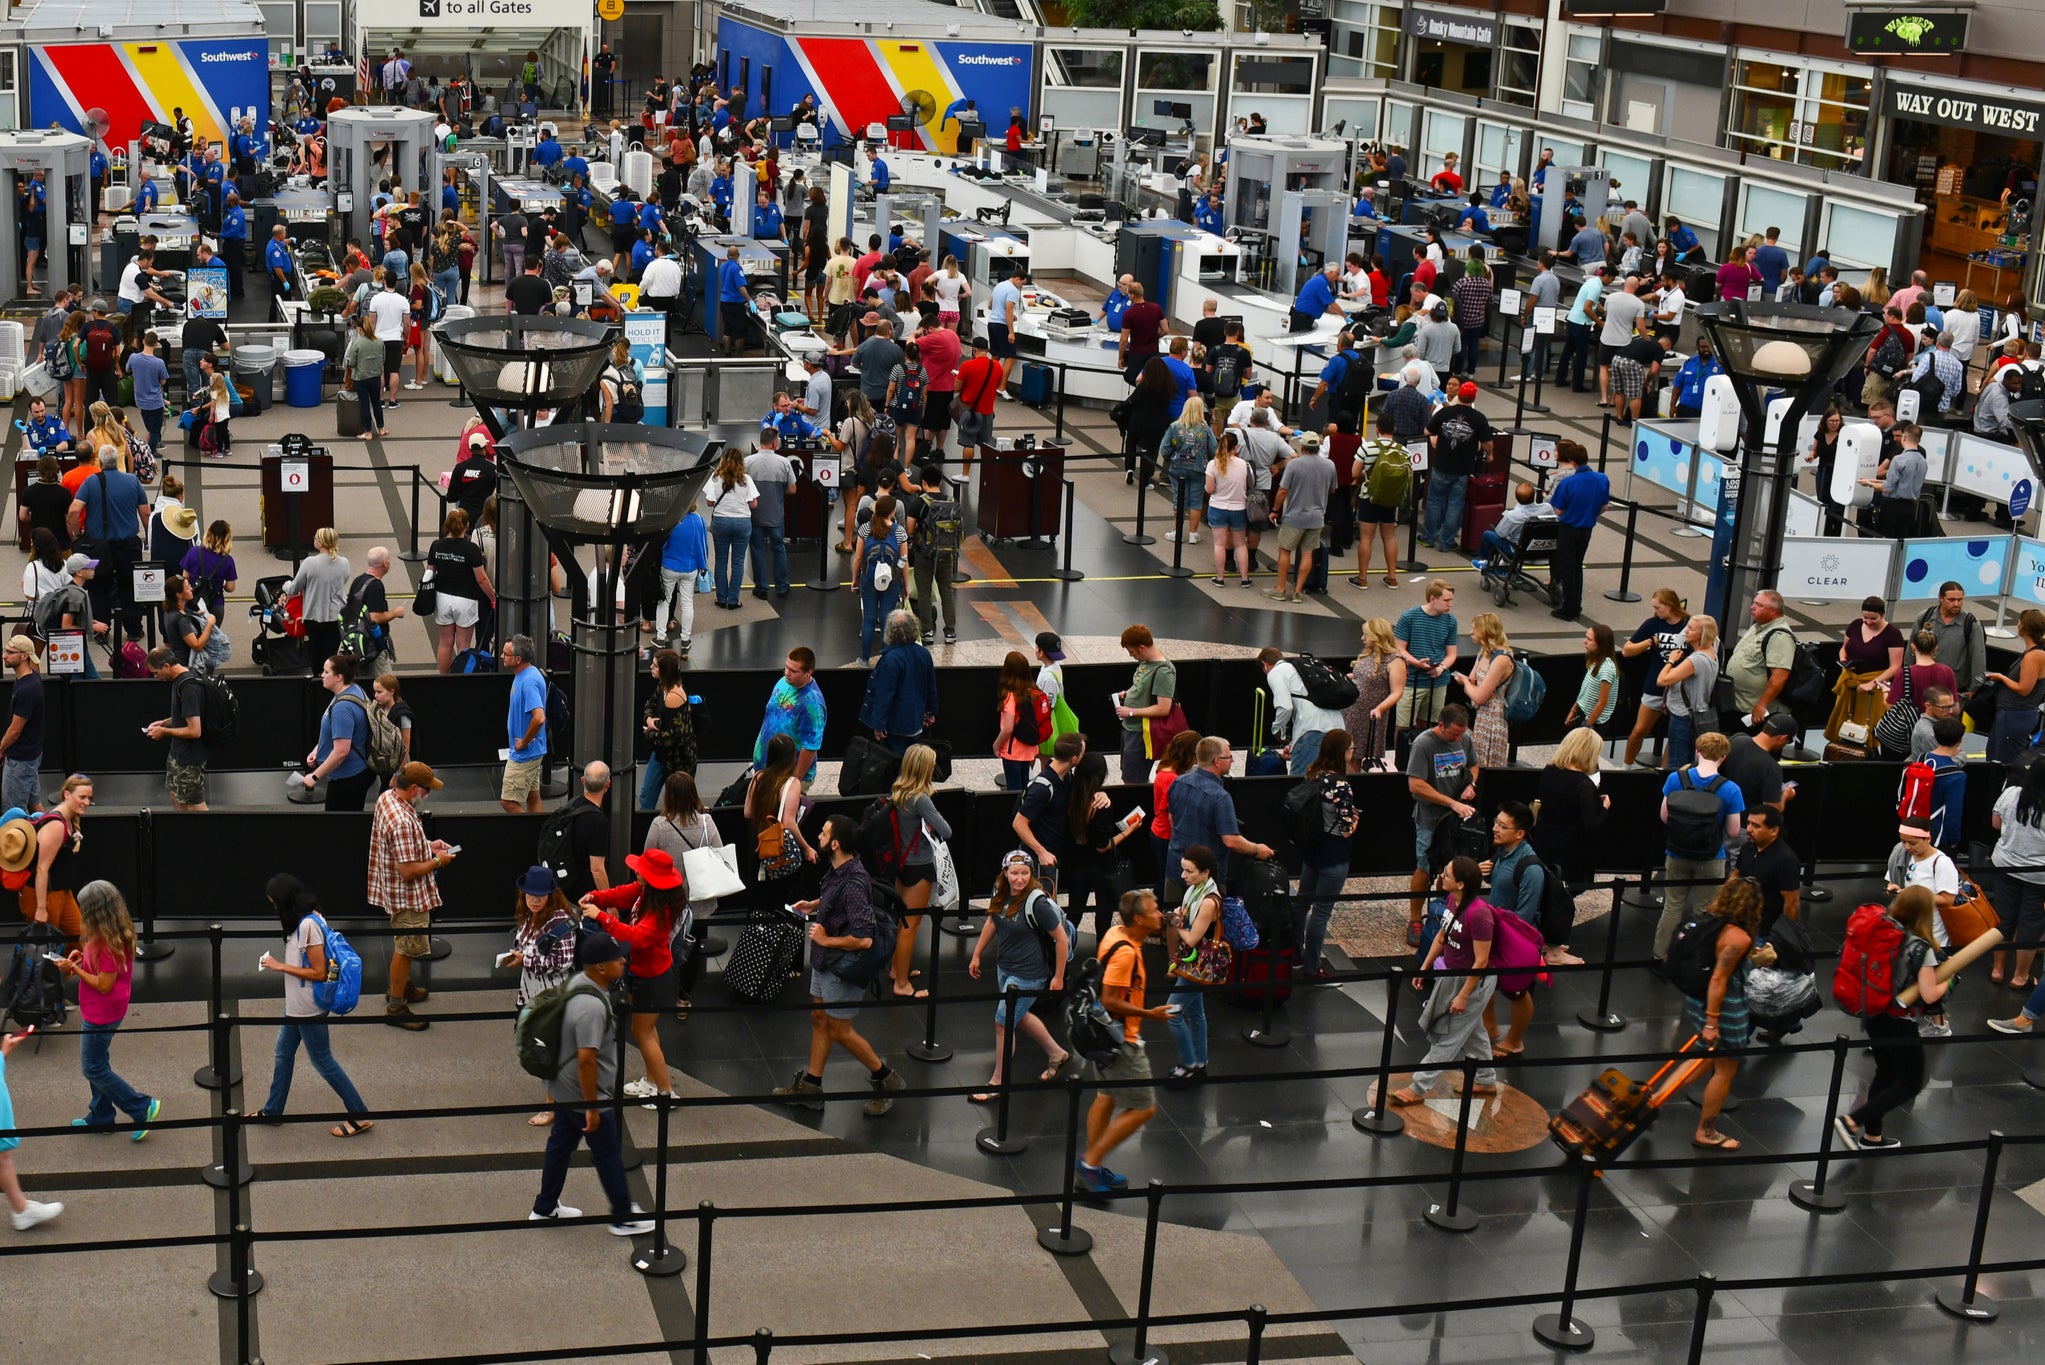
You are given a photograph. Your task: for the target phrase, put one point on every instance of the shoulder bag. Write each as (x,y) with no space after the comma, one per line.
(1892,731)
(1210,961)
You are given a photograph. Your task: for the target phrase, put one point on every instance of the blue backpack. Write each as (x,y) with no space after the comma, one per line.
(341,992)
(1237,926)
(1525,690)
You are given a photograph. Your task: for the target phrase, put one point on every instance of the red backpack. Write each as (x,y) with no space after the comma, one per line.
(1913,797)
(1033,722)
(1870,964)
(100,344)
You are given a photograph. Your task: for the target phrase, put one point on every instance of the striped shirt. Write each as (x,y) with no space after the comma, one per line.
(1425,637)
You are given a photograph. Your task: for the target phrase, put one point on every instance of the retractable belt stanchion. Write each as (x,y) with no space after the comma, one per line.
(1603,1019)
(663,1258)
(1811,1194)
(1063,1239)
(1561,1329)
(1139,1351)
(929,1049)
(1448,1216)
(1624,594)
(1966,1302)
(1378,1119)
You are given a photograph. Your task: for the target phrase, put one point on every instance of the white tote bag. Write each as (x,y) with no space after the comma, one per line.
(712,872)
(947,896)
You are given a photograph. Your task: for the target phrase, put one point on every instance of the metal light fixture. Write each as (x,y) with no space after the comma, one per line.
(1803,351)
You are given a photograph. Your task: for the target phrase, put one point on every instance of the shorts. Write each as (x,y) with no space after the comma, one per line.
(915,874)
(948,320)
(63,908)
(1027,991)
(1423,845)
(412,945)
(1605,353)
(1369,513)
(731,318)
(622,239)
(841,999)
(1000,344)
(393,356)
(1130,1063)
(937,410)
(1423,702)
(1228,518)
(976,429)
(187,782)
(1301,540)
(1629,376)
(813,276)
(31,243)
(652,994)
(456,611)
(521,780)
(1654,701)
(20,784)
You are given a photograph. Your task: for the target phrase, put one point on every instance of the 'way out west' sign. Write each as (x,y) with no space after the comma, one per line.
(1986,114)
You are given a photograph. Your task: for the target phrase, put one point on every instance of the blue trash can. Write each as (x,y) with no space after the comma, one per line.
(302,378)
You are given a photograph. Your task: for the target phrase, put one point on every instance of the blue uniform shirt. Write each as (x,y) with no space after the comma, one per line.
(575,165)
(1475,219)
(548,153)
(234,224)
(145,198)
(880,174)
(1112,310)
(650,217)
(1578,499)
(624,213)
(720,193)
(277,256)
(767,221)
(1691,378)
(642,252)
(306,126)
(98,162)
(1683,240)
(1208,217)
(1499,194)
(731,282)
(215,172)
(47,433)
(1315,298)
(791,424)
(1364,209)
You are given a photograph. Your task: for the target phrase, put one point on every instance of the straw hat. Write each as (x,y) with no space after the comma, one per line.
(181,522)
(17,845)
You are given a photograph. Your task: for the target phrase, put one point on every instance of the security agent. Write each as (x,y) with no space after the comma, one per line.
(277,262)
(234,242)
(878,178)
(1316,298)
(734,304)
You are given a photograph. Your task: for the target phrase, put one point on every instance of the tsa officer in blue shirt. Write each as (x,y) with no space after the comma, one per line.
(1207,214)
(642,252)
(43,433)
(246,148)
(307,125)
(734,303)
(1366,205)
(1475,219)
(548,152)
(1578,501)
(877,171)
(720,191)
(1116,304)
(1681,239)
(98,164)
(1316,297)
(791,424)
(145,198)
(1690,380)
(575,202)
(767,218)
(234,242)
(651,219)
(575,165)
(277,262)
(1502,191)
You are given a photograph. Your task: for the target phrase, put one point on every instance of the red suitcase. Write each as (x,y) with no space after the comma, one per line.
(1260,971)
(1483,506)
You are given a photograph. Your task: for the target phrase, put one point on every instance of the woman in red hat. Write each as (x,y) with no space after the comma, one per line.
(657,904)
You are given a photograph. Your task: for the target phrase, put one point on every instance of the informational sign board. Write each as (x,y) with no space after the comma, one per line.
(1976,565)
(64,653)
(1544,322)
(206,292)
(294,476)
(1509,302)
(1541,452)
(2027,572)
(1825,569)
(1416,455)
(148,582)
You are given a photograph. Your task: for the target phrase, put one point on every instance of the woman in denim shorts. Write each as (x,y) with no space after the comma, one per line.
(1031,947)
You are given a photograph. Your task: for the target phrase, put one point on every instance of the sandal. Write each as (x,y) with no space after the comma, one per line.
(983,1097)
(543,1119)
(1404,1098)
(2020,983)
(1716,1142)
(1497,1051)
(1051,1071)
(351,1128)
(264,1116)
(911,994)
(845,549)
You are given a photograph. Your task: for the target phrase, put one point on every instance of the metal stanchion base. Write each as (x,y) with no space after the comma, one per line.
(1541,408)
(660,1262)
(1816,895)
(1065,575)
(1601,1023)
(2034,1079)
(929,1051)
(1806,1195)
(1377,1122)
(1256,1035)
(1412,566)
(822,587)
(1057,1243)
(992,1143)
(438,948)
(1563,1336)
(221,1282)
(154,952)
(960,928)
(1622,596)
(1688,531)
(208,1079)
(218,1177)
(714,945)
(1125,1353)
(1139,540)
(1462,1220)
(1982,1309)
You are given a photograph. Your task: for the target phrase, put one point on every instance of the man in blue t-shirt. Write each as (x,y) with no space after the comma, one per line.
(1187,383)
(525,727)
(734,304)
(1426,637)
(342,755)
(877,171)
(1316,297)
(1772,261)
(150,375)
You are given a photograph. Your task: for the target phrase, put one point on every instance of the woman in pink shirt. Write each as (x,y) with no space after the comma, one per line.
(104,963)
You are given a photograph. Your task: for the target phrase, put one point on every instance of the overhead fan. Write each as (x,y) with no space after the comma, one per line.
(919,105)
(97,124)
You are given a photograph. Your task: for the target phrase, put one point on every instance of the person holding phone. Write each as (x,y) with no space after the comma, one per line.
(105,970)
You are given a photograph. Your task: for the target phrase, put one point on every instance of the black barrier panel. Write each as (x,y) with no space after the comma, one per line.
(458,718)
(104,720)
(112,851)
(213,866)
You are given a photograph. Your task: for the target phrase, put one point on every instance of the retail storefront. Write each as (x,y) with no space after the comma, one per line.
(1793,109)
(1972,155)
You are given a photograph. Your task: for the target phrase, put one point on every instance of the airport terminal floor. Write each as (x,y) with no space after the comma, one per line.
(1336,1238)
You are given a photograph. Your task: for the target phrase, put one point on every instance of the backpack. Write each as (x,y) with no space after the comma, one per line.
(358,633)
(1044,936)
(1558,903)
(1228,372)
(883,563)
(1326,688)
(1525,690)
(529,74)
(554,836)
(2032,385)
(32,993)
(942,527)
(436,303)
(1390,477)
(863,966)
(51,607)
(629,405)
(880,833)
(1237,928)
(536,1037)
(386,740)
(1873,964)
(1307,817)
(1693,953)
(342,990)
(99,348)
(1033,722)
(1516,950)
(560,718)
(58,361)
(1696,817)
(219,712)
(1913,797)
(1094,1033)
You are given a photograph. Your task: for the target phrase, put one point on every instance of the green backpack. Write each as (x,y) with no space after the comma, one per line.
(1390,476)
(537,1035)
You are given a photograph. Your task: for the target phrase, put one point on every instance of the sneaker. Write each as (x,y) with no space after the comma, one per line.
(798,1091)
(1934,1028)
(655,1105)
(929,638)
(1278,595)
(881,1101)
(96,1127)
(416,995)
(1115,1181)
(1479,564)
(639,1090)
(398,1014)
(35,1213)
(410,385)
(2018,1025)
(142,1128)
(636,1225)
(560,1211)
(1192,537)
(683,649)
(951,637)
(1090,1180)
(1846,1135)
(1877,1144)
(1413,935)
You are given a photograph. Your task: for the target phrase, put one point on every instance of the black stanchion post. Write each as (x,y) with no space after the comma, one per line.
(1626,560)
(1603,1019)
(240,1280)
(1178,568)
(1967,1303)
(663,1258)
(1415,509)
(1062,372)
(1066,573)
(706,1214)
(1142,488)
(147,949)
(763,1345)
(1604,440)
(825,580)
(1140,1351)
(1254,1320)
(218,1073)
(1707,1285)
(1448,1216)
(1065,1239)
(1378,1119)
(1519,401)
(412,554)
(232,1171)
(628,1151)
(1561,1329)
(930,1049)
(995,1141)
(1811,1194)
(1268,1031)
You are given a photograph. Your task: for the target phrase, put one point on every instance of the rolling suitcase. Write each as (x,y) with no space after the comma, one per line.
(1036,385)
(1615,1109)
(1260,971)
(869,768)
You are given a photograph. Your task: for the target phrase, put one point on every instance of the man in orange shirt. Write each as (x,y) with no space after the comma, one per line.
(1118,1113)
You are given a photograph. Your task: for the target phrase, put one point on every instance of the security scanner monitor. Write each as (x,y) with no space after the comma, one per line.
(63,158)
(1313,223)
(1586,185)
(367,146)
(1261,166)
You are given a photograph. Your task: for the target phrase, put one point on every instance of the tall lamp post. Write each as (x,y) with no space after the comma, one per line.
(1804,352)
(619,488)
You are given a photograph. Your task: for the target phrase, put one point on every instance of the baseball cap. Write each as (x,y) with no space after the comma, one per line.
(597,946)
(419,775)
(21,644)
(78,564)
(97,305)
(1051,645)
(1468,393)
(1781,723)
(1309,441)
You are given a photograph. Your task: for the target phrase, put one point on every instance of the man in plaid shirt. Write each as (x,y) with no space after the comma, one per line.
(402,864)
(1952,375)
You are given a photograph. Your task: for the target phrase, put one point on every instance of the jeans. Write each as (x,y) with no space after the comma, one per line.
(194,381)
(1305,749)
(449,283)
(562,1140)
(2010,734)
(1473,338)
(654,778)
(769,540)
(1577,351)
(19,785)
(514,260)
(1536,359)
(1189,1026)
(152,422)
(937,571)
(1311,907)
(1492,547)
(729,537)
(109,1092)
(677,603)
(313,1033)
(369,401)
(1680,750)
(873,611)
(1015,773)
(1444,519)
(1676,899)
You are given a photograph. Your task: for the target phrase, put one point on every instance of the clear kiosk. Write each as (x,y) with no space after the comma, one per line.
(63,158)
(354,171)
